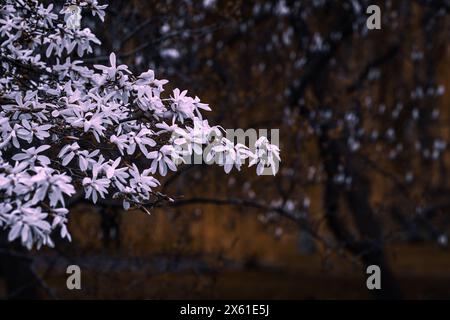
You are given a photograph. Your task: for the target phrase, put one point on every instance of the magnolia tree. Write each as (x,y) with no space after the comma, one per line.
(68,127)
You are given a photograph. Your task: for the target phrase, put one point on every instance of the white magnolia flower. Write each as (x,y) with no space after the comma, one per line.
(113,69)
(94,185)
(30,155)
(73,19)
(142,183)
(266,155)
(182,105)
(28,130)
(162,160)
(142,140)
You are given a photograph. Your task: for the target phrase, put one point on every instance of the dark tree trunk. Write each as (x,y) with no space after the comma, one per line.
(110,224)
(370,248)
(15,268)
(369,245)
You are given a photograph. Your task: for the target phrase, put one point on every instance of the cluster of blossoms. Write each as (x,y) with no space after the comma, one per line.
(68,127)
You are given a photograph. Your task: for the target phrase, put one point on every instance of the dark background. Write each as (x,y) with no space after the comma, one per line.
(364,124)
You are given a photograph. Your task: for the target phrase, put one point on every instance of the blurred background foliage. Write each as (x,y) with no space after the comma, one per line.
(364,124)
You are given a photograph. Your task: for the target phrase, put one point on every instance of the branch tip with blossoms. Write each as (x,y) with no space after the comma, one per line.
(66,126)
